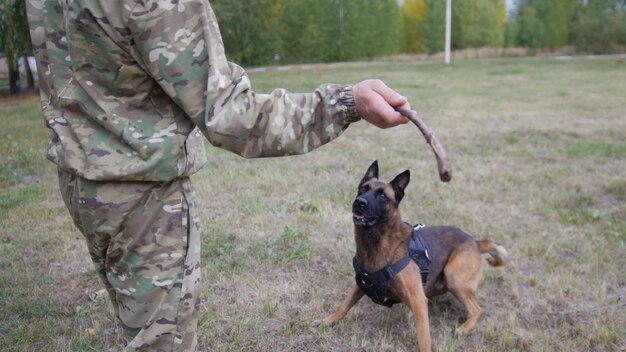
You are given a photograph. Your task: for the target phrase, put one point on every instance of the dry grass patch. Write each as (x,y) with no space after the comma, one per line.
(539,158)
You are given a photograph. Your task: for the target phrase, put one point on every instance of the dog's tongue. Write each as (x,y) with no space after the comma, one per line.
(358,215)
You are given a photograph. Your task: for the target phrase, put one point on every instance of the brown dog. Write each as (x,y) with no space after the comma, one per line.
(388,251)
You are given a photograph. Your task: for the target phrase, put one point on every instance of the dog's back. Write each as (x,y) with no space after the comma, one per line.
(443,242)
(457,267)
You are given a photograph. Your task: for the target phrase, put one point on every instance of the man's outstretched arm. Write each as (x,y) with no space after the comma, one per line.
(182,49)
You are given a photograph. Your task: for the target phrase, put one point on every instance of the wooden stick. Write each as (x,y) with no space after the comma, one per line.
(445,170)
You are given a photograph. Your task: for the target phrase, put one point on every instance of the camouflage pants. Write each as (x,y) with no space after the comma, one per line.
(143,238)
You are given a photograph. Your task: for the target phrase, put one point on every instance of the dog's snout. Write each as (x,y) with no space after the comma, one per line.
(361,202)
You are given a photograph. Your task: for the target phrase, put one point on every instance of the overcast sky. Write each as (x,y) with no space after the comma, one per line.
(509,5)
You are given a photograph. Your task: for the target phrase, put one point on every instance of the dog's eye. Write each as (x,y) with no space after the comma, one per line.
(382,196)
(363,189)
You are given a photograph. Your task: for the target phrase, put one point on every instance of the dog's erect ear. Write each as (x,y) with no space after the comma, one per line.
(372,172)
(399,184)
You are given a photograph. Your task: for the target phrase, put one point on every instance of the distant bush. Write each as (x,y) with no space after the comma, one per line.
(278,31)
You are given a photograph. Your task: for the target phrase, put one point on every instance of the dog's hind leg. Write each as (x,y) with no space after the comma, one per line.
(463,274)
(473,312)
(353,297)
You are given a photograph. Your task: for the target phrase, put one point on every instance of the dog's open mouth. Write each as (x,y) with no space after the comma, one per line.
(362,220)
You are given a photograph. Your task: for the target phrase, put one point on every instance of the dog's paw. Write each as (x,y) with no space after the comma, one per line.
(326,322)
(459,332)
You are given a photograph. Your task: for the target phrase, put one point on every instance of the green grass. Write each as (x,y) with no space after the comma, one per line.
(597,148)
(21,140)
(538,148)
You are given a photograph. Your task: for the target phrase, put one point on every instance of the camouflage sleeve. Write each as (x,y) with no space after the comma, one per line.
(180,45)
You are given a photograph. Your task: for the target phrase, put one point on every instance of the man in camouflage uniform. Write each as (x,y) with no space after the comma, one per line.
(128,90)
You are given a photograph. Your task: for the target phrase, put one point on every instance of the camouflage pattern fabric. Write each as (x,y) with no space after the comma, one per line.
(144,240)
(128,88)
(129,91)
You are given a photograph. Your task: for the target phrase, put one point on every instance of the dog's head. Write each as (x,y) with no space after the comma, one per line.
(377,202)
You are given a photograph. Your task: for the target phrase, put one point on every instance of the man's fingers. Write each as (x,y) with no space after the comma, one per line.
(384,115)
(376,103)
(405,106)
(392,97)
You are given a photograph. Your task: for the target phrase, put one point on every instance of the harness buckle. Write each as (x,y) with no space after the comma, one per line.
(363,277)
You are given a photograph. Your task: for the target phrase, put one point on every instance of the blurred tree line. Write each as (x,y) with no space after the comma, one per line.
(262,32)
(596,26)
(15,40)
(265,32)
(475,23)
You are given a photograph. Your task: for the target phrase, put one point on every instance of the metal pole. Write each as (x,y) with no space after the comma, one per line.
(448,29)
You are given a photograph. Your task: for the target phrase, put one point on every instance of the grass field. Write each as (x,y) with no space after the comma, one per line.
(538,148)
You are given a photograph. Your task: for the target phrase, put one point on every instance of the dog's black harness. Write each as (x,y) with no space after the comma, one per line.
(375,284)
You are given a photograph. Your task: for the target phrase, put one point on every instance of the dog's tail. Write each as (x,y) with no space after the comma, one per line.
(497,254)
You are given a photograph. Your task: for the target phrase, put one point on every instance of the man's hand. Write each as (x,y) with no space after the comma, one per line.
(375,103)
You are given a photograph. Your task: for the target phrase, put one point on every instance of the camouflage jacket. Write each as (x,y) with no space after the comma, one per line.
(128,88)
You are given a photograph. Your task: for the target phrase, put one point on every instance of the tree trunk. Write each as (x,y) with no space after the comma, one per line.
(29,73)
(14,73)
(14,81)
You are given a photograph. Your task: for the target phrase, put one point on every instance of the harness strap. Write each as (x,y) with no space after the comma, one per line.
(418,251)
(375,285)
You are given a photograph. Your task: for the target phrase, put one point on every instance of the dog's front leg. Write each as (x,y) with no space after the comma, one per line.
(348,302)
(419,307)
(413,295)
